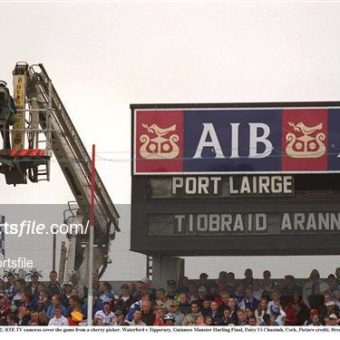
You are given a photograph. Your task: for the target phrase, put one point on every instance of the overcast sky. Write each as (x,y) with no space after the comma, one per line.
(104,56)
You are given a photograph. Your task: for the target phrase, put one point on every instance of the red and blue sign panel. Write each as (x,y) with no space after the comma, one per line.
(236,140)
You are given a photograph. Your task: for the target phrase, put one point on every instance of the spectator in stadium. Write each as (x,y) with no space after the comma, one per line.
(43,302)
(124,300)
(159,314)
(252,321)
(12,319)
(43,319)
(239,292)
(203,281)
(76,283)
(58,318)
(230,283)
(137,318)
(334,288)
(248,278)
(2,286)
(226,320)
(169,319)
(105,292)
(222,281)
(27,300)
(148,316)
(215,314)
(10,286)
(312,286)
(176,313)
(199,320)
(53,287)
(5,309)
(106,316)
(18,292)
(332,320)
(312,312)
(249,313)
(233,307)
(23,316)
(268,285)
(303,310)
(261,310)
(241,318)
(189,319)
(291,309)
(205,307)
(161,297)
(145,288)
(171,289)
(34,318)
(248,301)
(183,303)
(337,274)
(222,299)
(134,306)
(56,302)
(331,308)
(75,306)
(257,290)
(275,310)
(290,287)
(183,285)
(32,286)
(202,295)
(192,295)
(120,316)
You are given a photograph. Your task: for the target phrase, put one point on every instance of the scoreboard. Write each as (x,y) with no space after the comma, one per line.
(237,179)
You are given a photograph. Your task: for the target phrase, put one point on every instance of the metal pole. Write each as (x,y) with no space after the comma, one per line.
(91,241)
(54,249)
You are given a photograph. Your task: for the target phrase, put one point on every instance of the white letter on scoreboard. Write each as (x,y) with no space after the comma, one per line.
(256,139)
(208,129)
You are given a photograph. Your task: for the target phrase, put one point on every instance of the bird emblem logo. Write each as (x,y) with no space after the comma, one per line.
(159,143)
(305,141)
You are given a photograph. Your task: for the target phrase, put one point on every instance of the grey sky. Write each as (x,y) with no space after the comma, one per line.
(104,56)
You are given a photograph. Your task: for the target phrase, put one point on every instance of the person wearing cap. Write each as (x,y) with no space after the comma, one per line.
(178,315)
(332,320)
(312,313)
(106,315)
(7,113)
(169,319)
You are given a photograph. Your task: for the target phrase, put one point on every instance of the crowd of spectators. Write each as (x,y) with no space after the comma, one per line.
(222,302)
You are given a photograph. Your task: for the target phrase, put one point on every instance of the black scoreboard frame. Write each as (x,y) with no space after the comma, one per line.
(229,245)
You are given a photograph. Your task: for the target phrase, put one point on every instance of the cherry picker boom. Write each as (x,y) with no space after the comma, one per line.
(44,124)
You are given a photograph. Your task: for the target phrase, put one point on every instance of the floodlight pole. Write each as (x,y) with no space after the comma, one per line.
(91,241)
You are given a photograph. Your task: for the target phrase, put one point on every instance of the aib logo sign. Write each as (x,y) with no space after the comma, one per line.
(159,143)
(305,141)
(174,141)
